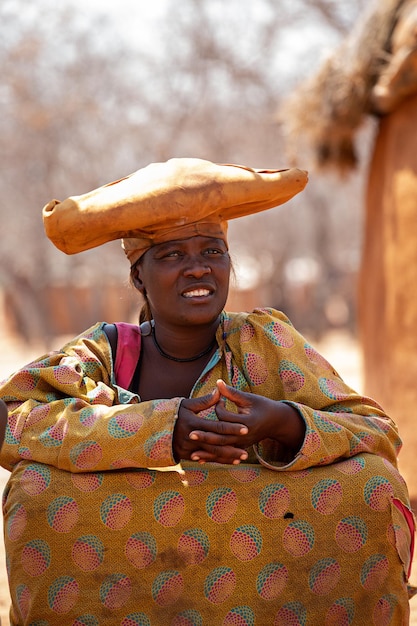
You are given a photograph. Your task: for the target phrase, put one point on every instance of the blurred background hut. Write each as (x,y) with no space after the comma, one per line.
(372,74)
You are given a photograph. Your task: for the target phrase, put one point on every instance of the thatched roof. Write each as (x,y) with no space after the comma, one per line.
(324,113)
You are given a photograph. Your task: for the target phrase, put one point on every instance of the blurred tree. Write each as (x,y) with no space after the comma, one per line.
(91,95)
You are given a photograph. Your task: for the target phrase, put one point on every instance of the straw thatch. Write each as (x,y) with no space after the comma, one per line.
(324,113)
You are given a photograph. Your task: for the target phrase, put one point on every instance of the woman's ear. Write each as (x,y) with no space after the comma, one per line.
(135,274)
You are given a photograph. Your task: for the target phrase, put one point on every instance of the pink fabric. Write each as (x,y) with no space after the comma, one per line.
(411,525)
(127,353)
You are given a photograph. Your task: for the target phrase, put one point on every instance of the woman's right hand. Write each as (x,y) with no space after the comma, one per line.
(221,449)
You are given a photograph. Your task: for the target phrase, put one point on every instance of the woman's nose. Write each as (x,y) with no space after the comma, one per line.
(196,266)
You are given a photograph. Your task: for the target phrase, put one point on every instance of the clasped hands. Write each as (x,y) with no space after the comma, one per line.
(227,440)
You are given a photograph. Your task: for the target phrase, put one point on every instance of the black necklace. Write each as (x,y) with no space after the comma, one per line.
(178,360)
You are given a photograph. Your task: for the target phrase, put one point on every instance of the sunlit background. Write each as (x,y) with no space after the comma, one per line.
(93,90)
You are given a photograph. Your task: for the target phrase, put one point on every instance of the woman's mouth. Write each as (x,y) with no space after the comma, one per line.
(197,293)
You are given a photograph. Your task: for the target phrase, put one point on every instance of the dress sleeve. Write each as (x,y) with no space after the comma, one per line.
(64,411)
(278,362)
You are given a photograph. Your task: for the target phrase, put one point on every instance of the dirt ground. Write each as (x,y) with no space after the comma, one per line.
(339,349)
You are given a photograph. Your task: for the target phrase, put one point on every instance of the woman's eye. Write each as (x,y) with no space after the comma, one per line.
(172,254)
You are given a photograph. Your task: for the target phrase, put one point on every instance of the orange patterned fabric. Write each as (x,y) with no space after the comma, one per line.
(94,536)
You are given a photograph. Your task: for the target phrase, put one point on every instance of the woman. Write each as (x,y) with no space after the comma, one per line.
(286,506)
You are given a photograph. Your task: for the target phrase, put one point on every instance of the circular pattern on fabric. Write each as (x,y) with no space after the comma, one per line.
(86,620)
(23,599)
(115,591)
(221,504)
(333,388)
(326,495)
(351,533)
(157,445)
(116,511)
(350,467)
(219,584)
(27,380)
(398,538)
(238,381)
(140,478)
(88,552)
(62,514)
(394,471)
(341,613)
(189,617)
(125,425)
(66,374)
(374,571)
(291,614)
(37,414)
(244,474)
(378,492)
(324,424)
(240,616)
(247,332)
(361,442)
(291,376)
(246,542)
(87,482)
(24,453)
(298,538)
(193,546)
(63,594)
(384,610)
(35,479)
(315,357)
(86,454)
(13,430)
(136,619)
(168,508)
(274,500)
(89,415)
(255,368)
(141,549)
(36,557)
(324,576)
(279,335)
(195,477)
(312,442)
(167,587)
(271,581)
(16,522)
(54,435)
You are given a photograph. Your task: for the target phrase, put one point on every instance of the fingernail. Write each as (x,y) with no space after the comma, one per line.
(236,462)
(193,436)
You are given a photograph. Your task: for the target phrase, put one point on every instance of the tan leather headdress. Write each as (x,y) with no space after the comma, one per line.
(165,201)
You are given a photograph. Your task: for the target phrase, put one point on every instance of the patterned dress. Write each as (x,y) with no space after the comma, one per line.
(98,532)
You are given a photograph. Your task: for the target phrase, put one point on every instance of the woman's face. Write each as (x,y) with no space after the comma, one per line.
(186,282)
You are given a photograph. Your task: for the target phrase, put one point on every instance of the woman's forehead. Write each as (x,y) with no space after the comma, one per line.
(195,240)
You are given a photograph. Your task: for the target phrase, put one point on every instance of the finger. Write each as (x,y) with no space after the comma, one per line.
(202,403)
(240,398)
(209,430)
(218,439)
(226,454)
